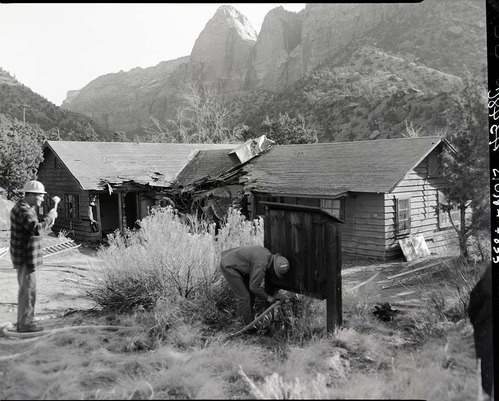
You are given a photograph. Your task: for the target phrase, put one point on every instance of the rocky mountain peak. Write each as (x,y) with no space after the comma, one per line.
(230,17)
(220,53)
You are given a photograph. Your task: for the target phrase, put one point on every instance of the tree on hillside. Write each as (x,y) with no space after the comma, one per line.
(119,136)
(287,130)
(53,135)
(20,155)
(201,118)
(243,132)
(87,135)
(467,172)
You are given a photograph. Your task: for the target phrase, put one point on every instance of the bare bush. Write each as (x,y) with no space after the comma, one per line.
(167,257)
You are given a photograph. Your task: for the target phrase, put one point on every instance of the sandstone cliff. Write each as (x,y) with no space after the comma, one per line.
(329,28)
(125,101)
(281,33)
(420,48)
(220,54)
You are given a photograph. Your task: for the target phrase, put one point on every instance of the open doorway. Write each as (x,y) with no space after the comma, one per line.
(130,209)
(109,213)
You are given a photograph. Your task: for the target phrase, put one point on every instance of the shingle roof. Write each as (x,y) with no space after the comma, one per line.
(94,163)
(330,169)
(206,164)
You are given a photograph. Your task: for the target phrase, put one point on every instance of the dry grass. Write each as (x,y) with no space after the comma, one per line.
(178,351)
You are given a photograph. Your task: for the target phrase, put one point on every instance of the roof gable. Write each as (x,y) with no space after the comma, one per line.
(95,163)
(330,169)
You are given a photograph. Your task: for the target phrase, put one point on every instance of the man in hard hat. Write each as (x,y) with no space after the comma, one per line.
(26,250)
(245,269)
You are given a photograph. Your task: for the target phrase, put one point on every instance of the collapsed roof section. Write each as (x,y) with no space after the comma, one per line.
(213,167)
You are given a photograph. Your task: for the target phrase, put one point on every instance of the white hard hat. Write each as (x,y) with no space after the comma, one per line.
(281,265)
(34,187)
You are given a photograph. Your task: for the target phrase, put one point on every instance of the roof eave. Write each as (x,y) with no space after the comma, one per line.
(47,144)
(440,140)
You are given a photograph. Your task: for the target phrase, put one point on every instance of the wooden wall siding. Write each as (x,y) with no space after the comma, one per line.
(59,182)
(424,217)
(364,231)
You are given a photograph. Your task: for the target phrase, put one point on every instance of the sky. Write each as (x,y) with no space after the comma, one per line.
(53,48)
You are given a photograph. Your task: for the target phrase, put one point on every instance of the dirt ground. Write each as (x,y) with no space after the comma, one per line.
(59,284)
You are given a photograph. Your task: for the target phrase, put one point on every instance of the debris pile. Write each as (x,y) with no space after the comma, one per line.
(385,312)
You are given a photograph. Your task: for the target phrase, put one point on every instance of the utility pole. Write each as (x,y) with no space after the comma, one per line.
(24,113)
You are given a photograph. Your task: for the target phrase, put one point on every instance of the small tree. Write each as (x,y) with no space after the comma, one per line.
(119,136)
(201,118)
(412,131)
(53,135)
(88,135)
(287,130)
(467,172)
(20,155)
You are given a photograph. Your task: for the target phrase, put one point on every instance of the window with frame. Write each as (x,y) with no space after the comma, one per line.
(403,215)
(334,207)
(72,206)
(443,217)
(45,207)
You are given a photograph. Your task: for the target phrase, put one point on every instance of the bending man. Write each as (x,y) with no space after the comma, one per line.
(26,250)
(245,269)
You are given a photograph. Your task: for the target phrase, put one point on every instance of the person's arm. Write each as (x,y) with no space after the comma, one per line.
(91,215)
(257,280)
(29,220)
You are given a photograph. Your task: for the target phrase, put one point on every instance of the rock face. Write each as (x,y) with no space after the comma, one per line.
(280,35)
(290,44)
(230,57)
(220,54)
(125,101)
(326,29)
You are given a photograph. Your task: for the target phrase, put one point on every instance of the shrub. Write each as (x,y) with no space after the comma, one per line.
(169,256)
(458,277)
(236,231)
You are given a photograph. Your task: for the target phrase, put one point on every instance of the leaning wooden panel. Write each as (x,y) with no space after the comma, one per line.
(310,239)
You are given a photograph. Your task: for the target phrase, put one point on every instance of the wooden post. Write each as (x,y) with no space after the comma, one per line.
(333,278)
(120,212)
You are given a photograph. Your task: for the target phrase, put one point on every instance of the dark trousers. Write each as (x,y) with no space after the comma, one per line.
(26,298)
(239,284)
(484,351)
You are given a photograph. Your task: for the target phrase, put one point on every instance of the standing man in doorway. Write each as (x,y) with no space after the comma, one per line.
(26,250)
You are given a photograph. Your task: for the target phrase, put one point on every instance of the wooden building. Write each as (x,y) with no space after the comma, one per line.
(383,190)
(124,179)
